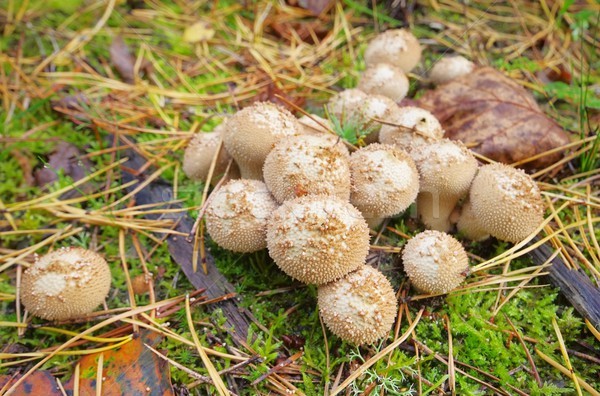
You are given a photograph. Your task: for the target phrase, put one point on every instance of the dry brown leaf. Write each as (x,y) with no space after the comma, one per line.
(65,157)
(122,59)
(498,116)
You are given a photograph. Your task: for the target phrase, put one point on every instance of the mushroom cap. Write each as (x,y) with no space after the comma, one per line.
(317,238)
(200,152)
(360,307)
(237,214)
(398,47)
(449,68)
(347,104)
(308,164)
(251,133)
(435,262)
(384,79)
(506,201)
(314,125)
(64,284)
(413,126)
(385,180)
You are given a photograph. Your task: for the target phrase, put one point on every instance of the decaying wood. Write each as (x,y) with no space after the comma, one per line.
(181,250)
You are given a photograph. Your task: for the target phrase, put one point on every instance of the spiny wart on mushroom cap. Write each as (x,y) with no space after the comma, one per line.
(360,307)
(398,47)
(435,262)
(251,133)
(308,164)
(317,238)
(237,213)
(506,202)
(65,284)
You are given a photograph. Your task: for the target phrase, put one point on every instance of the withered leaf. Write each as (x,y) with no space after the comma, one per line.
(500,117)
(122,59)
(65,157)
(40,382)
(315,6)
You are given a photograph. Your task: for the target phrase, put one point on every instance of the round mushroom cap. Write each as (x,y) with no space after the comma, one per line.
(347,104)
(412,126)
(65,284)
(449,68)
(314,125)
(359,308)
(317,238)
(398,47)
(384,79)
(199,154)
(251,133)
(435,262)
(385,180)
(506,201)
(237,214)
(308,164)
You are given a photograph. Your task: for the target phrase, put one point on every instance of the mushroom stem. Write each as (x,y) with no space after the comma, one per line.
(435,209)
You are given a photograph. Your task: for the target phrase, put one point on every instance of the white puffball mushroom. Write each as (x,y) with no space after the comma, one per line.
(435,262)
(67,283)
(447,169)
(317,238)
(360,307)
(504,201)
(308,164)
(398,47)
(251,133)
(385,181)
(410,127)
(384,79)
(449,68)
(315,125)
(237,214)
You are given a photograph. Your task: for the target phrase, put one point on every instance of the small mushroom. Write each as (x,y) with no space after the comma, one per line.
(199,154)
(237,213)
(385,181)
(308,164)
(384,79)
(360,307)
(447,169)
(317,238)
(251,133)
(398,47)
(505,202)
(449,68)
(315,125)
(435,262)
(67,283)
(408,127)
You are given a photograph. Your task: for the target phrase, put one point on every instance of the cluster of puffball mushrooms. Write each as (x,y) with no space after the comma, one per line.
(294,187)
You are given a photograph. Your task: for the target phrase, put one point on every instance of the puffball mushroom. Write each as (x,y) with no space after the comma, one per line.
(504,201)
(65,284)
(317,238)
(199,154)
(447,169)
(308,164)
(435,262)
(384,79)
(385,181)
(398,47)
(314,125)
(360,307)
(449,68)
(410,126)
(237,214)
(251,133)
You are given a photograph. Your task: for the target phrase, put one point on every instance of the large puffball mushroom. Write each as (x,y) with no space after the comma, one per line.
(65,284)
(504,201)
(385,181)
(435,262)
(237,214)
(398,47)
(200,152)
(251,133)
(447,169)
(360,307)
(449,68)
(384,79)
(409,126)
(308,164)
(317,238)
